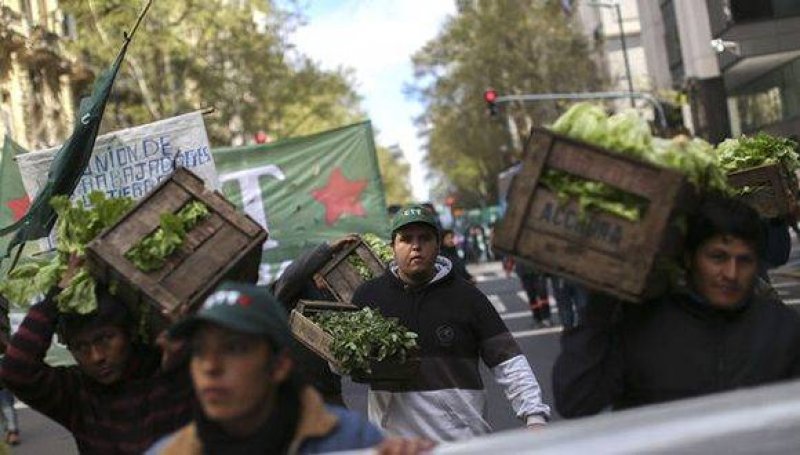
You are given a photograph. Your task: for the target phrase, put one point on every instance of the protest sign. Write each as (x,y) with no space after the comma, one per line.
(131,162)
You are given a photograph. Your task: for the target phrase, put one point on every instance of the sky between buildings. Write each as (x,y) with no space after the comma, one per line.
(376,38)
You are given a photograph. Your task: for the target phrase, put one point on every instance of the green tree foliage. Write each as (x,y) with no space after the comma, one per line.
(514,46)
(395,176)
(230,55)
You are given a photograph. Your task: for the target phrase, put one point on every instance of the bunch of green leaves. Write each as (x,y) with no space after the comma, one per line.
(360,266)
(694,157)
(365,336)
(761,149)
(594,196)
(77,225)
(151,252)
(626,132)
(378,246)
(30,280)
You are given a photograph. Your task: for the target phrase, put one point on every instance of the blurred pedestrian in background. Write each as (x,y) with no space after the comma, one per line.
(535,285)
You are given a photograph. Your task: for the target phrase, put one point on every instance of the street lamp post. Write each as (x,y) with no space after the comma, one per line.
(615,5)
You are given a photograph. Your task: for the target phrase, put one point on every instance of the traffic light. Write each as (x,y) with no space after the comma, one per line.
(490,96)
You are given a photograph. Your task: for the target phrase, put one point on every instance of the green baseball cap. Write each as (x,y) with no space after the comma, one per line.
(242,308)
(414,214)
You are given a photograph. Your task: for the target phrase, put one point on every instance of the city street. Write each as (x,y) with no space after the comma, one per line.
(40,435)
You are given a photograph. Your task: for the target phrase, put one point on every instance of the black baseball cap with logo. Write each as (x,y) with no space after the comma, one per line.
(242,308)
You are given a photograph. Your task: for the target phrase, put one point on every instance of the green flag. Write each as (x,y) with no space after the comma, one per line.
(14,202)
(71,159)
(306,190)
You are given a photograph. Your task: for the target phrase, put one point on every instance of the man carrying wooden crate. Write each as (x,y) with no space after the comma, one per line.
(121,397)
(456,325)
(718,333)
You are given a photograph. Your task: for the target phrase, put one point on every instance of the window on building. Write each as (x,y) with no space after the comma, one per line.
(783,8)
(771,98)
(753,10)
(748,10)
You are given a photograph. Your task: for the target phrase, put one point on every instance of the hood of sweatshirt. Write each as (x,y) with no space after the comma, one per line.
(442,266)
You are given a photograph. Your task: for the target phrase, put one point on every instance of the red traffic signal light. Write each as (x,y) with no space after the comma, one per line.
(490,96)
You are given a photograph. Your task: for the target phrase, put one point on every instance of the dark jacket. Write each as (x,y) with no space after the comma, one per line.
(296,282)
(321,429)
(126,417)
(626,355)
(778,243)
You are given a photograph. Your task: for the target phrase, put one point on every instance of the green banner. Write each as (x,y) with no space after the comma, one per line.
(14,202)
(306,190)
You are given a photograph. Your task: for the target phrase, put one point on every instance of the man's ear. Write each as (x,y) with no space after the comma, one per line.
(280,366)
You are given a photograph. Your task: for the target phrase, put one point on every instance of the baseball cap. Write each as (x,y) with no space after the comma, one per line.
(242,308)
(414,214)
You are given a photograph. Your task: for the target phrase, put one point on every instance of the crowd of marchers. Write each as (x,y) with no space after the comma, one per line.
(231,378)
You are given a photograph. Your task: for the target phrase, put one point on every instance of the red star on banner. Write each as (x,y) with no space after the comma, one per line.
(340,196)
(19,207)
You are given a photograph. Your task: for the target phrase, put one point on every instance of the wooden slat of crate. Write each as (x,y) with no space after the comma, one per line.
(315,306)
(226,239)
(341,278)
(775,192)
(203,231)
(617,257)
(172,198)
(374,264)
(311,336)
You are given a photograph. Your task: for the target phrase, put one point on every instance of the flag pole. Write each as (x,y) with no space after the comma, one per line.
(129,36)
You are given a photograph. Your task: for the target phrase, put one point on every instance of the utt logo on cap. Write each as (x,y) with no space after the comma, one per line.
(410,212)
(227,298)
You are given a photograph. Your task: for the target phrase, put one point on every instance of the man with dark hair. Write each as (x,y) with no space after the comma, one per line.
(251,400)
(714,334)
(456,325)
(123,394)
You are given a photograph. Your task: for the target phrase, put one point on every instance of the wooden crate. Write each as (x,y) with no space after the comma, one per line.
(341,278)
(319,341)
(601,251)
(773,189)
(224,245)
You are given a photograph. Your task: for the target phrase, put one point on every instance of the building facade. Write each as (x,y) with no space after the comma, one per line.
(37,78)
(601,21)
(737,60)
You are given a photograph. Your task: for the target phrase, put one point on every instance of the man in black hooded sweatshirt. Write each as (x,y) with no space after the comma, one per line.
(715,335)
